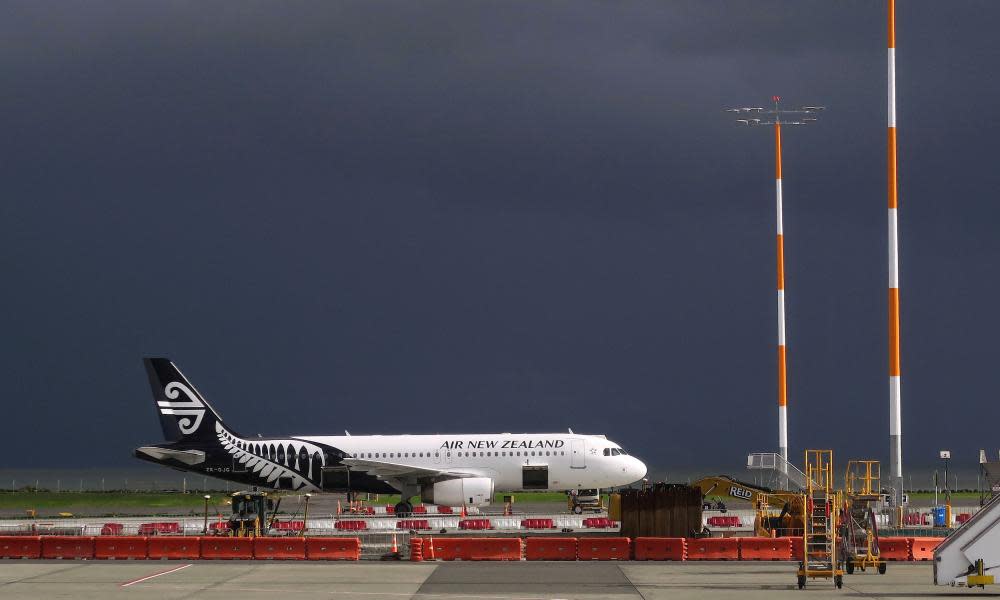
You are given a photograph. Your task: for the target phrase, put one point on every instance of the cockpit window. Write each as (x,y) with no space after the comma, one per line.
(615,452)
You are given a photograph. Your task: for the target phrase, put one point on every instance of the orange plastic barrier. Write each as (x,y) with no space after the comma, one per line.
(420,509)
(69,546)
(474,548)
(724,521)
(445,510)
(288,525)
(657,548)
(922,548)
(227,548)
(538,524)
(158,547)
(333,548)
(171,528)
(120,547)
(894,548)
(112,529)
(550,548)
(475,524)
(21,546)
(279,548)
(412,524)
(762,548)
(416,549)
(798,547)
(713,549)
(599,523)
(610,548)
(351,525)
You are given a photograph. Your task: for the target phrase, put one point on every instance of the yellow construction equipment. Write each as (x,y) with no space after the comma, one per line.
(779,512)
(858,526)
(250,513)
(819,547)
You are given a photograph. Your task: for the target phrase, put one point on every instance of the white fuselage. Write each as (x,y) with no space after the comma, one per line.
(573,461)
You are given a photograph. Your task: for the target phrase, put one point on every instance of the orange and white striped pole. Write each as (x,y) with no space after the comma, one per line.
(757,116)
(782,372)
(895,414)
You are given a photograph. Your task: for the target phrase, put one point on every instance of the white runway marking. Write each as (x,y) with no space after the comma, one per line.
(148,577)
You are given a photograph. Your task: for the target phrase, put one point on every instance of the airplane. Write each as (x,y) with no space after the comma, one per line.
(450,470)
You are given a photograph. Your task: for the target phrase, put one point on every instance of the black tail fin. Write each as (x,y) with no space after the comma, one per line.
(184,414)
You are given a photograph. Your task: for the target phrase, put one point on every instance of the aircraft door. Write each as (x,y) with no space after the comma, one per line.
(578,451)
(535,477)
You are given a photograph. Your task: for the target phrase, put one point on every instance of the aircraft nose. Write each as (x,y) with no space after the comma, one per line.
(638,469)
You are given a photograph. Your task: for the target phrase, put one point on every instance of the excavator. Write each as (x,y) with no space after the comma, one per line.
(779,512)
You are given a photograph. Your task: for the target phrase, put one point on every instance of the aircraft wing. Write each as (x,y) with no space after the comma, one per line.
(389,470)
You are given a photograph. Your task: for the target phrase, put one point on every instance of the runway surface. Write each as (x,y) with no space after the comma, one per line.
(449,581)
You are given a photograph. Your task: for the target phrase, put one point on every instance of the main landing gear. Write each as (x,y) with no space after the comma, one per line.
(403,509)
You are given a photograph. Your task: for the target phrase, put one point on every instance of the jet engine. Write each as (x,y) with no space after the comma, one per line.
(471,491)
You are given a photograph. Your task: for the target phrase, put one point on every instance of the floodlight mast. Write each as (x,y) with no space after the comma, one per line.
(800,116)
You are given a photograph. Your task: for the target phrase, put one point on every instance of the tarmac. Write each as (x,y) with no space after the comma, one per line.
(450,581)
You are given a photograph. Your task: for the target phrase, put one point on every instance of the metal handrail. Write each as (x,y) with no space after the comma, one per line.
(772,461)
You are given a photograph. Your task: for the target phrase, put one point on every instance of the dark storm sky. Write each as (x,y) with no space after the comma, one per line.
(480,216)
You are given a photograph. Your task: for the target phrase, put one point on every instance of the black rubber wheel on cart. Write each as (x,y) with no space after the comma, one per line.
(838,580)
(403,509)
(881,567)
(849,566)
(802,581)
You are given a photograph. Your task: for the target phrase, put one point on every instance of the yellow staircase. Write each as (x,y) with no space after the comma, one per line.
(859,528)
(819,546)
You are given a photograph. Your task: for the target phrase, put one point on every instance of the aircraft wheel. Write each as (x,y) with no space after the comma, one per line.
(802,581)
(881,567)
(849,566)
(577,509)
(403,509)
(838,580)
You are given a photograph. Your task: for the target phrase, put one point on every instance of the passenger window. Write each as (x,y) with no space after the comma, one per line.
(436,455)
(532,452)
(547,453)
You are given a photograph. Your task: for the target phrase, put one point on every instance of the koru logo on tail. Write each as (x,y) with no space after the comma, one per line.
(188,412)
